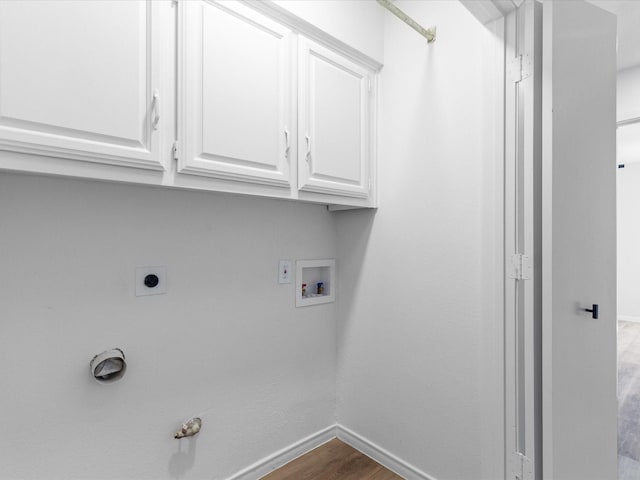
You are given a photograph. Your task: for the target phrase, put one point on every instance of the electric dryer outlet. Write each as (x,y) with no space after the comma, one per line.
(151,281)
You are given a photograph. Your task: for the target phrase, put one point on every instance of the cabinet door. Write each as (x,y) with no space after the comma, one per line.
(333,129)
(77,80)
(236,94)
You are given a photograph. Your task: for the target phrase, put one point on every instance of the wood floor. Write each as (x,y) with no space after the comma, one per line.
(334,460)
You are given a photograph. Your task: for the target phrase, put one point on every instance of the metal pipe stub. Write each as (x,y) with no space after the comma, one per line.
(189,428)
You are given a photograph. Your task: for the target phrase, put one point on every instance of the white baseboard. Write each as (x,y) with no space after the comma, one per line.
(370,449)
(380,455)
(628,318)
(284,456)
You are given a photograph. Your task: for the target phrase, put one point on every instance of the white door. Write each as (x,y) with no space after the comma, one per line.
(579,242)
(333,123)
(236,94)
(79,79)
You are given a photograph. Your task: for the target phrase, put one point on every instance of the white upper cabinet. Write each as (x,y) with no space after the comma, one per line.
(236,104)
(333,123)
(79,80)
(250,98)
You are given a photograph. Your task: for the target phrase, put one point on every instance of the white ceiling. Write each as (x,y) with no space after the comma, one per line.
(628,12)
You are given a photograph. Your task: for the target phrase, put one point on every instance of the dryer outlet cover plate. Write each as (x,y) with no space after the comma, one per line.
(141,286)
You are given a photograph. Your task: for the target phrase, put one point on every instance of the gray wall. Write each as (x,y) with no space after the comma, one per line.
(418,338)
(225,342)
(415,344)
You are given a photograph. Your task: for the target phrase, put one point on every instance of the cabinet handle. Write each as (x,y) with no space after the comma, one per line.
(287,147)
(155,108)
(308,156)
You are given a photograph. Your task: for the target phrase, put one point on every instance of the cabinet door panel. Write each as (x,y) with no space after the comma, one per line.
(77,79)
(237,94)
(334,123)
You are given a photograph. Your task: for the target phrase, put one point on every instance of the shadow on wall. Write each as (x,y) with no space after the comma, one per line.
(354,230)
(183,460)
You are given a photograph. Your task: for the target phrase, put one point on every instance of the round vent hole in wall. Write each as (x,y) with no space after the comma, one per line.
(108,366)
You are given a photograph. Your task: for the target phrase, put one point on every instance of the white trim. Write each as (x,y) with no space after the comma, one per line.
(334,191)
(127,156)
(286,455)
(628,318)
(202,167)
(380,455)
(297,24)
(487,11)
(522,320)
(492,339)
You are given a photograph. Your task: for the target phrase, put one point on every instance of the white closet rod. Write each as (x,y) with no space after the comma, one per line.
(628,121)
(428,33)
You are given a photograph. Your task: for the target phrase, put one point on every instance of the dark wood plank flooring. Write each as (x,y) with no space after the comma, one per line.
(334,460)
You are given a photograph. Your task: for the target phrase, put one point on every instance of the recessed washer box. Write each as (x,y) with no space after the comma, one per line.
(315,282)
(151,281)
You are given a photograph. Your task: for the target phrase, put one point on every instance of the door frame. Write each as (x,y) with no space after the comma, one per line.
(526,351)
(523,242)
(493,15)
(519,146)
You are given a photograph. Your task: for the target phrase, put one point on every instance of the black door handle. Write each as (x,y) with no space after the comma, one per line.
(593,311)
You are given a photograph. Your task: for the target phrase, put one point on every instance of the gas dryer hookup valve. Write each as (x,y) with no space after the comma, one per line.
(189,428)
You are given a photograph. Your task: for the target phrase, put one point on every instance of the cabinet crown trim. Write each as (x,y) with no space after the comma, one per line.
(298,25)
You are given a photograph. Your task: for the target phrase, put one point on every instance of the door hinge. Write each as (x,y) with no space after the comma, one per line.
(521,467)
(175,150)
(519,68)
(519,267)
